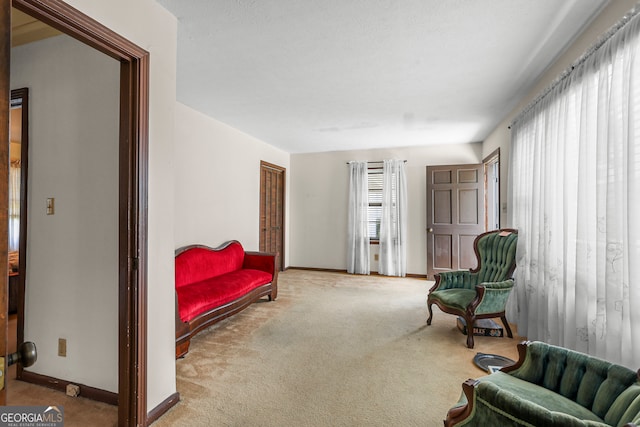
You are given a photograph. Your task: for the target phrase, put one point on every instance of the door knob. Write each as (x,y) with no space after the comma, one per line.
(26,354)
(430,230)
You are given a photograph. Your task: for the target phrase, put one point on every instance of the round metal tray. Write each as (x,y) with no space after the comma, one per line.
(491,362)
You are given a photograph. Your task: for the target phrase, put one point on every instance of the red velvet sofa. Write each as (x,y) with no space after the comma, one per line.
(215,283)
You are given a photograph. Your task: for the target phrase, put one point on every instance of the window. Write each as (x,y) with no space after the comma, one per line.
(375,202)
(14,206)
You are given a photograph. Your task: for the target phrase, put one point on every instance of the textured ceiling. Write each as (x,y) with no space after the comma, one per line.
(326,75)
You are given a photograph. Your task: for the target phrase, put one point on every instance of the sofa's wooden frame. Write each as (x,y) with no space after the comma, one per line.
(186,330)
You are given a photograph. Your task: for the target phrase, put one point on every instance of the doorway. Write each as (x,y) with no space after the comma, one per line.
(133,157)
(462,202)
(17,211)
(455,216)
(272,187)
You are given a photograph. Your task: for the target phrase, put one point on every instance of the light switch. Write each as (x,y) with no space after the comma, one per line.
(50,206)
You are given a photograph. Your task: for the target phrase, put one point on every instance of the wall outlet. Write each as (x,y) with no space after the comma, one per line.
(62,347)
(73,390)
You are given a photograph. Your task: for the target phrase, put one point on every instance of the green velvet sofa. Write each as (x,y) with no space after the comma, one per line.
(551,386)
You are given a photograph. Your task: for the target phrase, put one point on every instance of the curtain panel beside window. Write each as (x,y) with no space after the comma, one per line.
(393,224)
(358,222)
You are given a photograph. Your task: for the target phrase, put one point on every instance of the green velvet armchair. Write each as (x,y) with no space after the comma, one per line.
(480,293)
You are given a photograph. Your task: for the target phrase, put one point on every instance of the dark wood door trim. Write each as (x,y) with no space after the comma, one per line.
(133,182)
(281,222)
(491,159)
(5,54)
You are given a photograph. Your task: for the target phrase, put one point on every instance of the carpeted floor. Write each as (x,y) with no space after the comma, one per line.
(333,350)
(78,411)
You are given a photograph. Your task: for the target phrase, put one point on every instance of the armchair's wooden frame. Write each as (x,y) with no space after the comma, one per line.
(469,314)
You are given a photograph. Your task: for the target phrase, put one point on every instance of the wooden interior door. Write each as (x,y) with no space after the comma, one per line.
(272,180)
(133,193)
(455,216)
(5,94)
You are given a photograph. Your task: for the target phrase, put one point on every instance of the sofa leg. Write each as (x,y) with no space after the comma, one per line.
(430,313)
(182,349)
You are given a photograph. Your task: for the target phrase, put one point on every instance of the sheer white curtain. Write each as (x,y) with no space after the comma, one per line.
(393,225)
(358,226)
(14,206)
(575,198)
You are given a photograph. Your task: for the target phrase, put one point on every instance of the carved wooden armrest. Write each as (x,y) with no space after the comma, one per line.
(459,413)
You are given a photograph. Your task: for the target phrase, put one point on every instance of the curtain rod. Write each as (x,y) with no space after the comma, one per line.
(567,72)
(378,161)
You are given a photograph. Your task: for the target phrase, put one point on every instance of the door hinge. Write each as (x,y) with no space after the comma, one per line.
(135,263)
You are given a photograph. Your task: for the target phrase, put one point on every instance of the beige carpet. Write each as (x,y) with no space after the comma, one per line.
(333,350)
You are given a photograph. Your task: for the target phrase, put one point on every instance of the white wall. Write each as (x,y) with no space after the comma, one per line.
(72,270)
(501,136)
(154,29)
(217,182)
(319,194)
